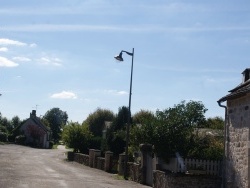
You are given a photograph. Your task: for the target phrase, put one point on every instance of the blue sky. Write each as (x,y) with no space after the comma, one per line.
(60,53)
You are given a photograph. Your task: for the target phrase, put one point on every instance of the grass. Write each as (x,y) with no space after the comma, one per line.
(55,146)
(119,177)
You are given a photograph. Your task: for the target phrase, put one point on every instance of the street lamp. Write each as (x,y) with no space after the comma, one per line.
(119,58)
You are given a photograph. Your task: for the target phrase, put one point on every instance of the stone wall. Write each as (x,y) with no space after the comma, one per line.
(170,180)
(134,171)
(237,151)
(101,163)
(137,173)
(81,158)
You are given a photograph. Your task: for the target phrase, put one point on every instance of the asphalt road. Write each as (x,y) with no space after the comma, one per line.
(25,167)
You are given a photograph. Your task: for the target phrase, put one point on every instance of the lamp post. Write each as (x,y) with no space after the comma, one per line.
(119,58)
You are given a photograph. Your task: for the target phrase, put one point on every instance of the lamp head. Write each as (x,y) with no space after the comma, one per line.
(119,57)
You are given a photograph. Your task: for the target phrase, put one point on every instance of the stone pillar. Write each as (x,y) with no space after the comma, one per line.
(146,164)
(97,153)
(71,155)
(91,157)
(108,161)
(122,158)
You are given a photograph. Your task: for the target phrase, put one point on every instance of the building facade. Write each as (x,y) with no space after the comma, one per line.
(236,172)
(36,133)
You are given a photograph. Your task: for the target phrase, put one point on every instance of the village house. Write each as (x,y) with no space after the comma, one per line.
(36,133)
(236,170)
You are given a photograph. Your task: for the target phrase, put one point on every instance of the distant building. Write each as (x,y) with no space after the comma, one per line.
(237,134)
(37,134)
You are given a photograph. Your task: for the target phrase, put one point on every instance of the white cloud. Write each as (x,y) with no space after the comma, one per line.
(33,45)
(64,95)
(122,93)
(4,62)
(50,61)
(3,49)
(121,28)
(115,92)
(24,59)
(11,42)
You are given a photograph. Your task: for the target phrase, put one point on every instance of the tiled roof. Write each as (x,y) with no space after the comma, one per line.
(38,122)
(240,90)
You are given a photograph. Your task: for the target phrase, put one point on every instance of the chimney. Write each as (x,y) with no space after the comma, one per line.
(246,75)
(33,113)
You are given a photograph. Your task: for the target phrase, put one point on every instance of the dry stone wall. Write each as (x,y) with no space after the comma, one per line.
(237,139)
(170,180)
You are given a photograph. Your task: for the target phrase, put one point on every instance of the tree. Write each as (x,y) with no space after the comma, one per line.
(6,123)
(56,119)
(172,129)
(116,134)
(142,117)
(15,122)
(206,147)
(95,121)
(215,123)
(121,119)
(77,136)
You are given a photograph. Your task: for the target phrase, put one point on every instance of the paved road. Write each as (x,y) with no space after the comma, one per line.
(24,167)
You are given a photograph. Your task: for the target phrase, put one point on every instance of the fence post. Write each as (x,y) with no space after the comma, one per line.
(146,164)
(97,153)
(108,161)
(121,164)
(91,157)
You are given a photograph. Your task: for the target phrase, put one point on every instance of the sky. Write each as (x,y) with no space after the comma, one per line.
(60,54)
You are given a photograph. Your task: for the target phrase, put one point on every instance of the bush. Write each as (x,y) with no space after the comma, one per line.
(95,143)
(3,137)
(206,147)
(20,139)
(51,143)
(11,138)
(77,137)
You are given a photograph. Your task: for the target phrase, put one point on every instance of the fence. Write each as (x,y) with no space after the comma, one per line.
(209,167)
(192,166)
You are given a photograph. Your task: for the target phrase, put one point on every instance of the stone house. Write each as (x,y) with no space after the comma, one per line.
(236,172)
(36,133)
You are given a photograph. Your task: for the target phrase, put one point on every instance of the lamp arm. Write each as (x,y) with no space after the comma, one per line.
(131,54)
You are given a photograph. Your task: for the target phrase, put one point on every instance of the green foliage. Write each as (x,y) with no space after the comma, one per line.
(77,137)
(95,121)
(20,139)
(171,130)
(95,142)
(3,137)
(6,123)
(116,141)
(142,117)
(15,122)
(116,134)
(121,119)
(51,144)
(206,147)
(56,119)
(215,123)
(3,129)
